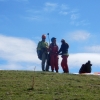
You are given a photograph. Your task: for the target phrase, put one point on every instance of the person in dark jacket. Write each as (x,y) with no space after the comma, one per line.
(64,49)
(85,68)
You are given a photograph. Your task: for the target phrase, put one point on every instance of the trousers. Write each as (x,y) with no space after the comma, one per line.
(54,62)
(64,64)
(45,66)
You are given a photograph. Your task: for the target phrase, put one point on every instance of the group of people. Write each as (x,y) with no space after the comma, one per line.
(49,54)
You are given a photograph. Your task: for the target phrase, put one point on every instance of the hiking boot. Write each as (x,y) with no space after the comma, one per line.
(57,71)
(47,70)
(52,70)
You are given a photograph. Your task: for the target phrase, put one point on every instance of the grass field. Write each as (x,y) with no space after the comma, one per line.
(17,85)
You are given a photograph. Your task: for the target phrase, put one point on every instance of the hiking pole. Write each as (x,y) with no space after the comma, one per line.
(48,57)
(48,38)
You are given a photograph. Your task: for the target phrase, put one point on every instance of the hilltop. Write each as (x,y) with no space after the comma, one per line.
(17,85)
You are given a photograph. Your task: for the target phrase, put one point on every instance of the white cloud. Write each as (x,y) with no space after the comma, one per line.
(64,7)
(63,12)
(17,49)
(74,11)
(19,53)
(50,6)
(79,35)
(33,18)
(74,16)
(78,23)
(93,49)
(76,60)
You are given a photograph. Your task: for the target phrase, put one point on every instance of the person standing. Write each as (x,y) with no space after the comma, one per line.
(53,49)
(42,52)
(64,49)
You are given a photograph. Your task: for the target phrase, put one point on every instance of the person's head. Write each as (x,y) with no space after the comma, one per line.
(43,37)
(53,40)
(63,41)
(89,62)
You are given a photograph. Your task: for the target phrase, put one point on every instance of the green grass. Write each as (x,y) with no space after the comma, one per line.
(16,85)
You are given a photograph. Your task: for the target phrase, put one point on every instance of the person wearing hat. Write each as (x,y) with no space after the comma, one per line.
(53,49)
(42,52)
(64,49)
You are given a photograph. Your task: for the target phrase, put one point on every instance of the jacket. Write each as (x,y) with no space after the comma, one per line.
(42,46)
(64,49)
(53,48)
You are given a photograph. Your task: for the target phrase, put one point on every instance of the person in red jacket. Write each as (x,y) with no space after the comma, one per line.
(64,49)
(53,49)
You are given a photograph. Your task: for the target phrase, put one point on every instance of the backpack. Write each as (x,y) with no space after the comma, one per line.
(39,54)
(41,49)
(85,68)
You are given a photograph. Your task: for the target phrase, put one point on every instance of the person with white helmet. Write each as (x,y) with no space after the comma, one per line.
(64,49)
(42,52)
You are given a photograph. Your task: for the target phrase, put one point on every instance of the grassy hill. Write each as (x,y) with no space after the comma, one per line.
(17,85)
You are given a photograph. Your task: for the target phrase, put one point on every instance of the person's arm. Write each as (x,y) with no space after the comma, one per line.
(45,47)
(60,49)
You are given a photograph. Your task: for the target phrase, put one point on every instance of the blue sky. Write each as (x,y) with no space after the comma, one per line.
(22,22)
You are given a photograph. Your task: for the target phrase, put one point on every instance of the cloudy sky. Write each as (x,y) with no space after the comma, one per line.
(22,22)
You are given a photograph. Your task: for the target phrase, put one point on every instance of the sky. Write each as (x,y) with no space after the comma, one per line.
(22,23)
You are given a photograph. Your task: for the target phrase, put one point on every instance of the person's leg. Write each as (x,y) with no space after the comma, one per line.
(56,63)
(48,62)
(52,62)
(43,61)
(65,63)
(47,67)
(62,64)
